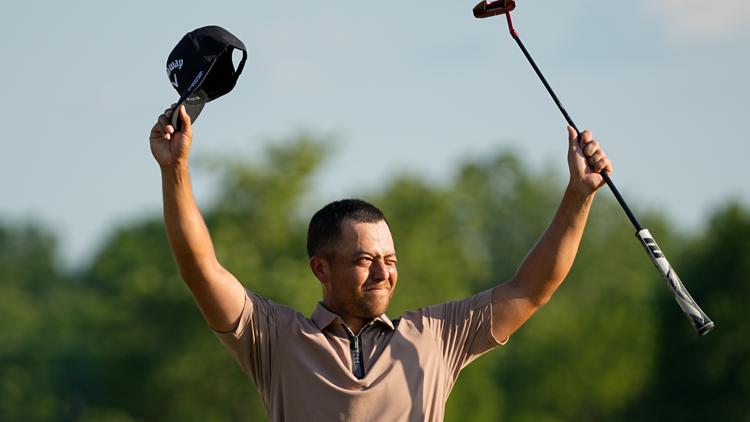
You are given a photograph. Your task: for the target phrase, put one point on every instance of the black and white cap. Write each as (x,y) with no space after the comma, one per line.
(201,69)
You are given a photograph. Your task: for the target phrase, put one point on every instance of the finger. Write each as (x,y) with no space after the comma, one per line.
(169,129)
(156,131)
(187,125)
(572,135)
(166,125)
(586,137)
(591,148)
(168,112)
(602,166)
(595,159)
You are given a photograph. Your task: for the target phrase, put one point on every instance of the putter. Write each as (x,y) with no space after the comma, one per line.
(693,312)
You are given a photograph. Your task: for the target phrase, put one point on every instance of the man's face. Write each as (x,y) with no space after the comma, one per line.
(361,271)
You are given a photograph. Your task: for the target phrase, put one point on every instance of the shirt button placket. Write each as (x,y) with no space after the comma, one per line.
(355,347)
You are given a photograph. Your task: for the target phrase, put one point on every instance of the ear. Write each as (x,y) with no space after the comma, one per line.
(320,268)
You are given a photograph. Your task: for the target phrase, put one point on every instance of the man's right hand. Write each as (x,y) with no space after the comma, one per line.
(171,148)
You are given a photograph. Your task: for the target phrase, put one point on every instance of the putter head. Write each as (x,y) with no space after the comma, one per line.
(487,8)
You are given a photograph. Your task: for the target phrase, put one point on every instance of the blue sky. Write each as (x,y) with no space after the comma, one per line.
(404,87)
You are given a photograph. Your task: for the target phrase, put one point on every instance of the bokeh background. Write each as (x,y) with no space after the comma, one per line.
(431,114)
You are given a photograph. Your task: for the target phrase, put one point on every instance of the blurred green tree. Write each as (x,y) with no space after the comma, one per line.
(29,284)
(706,378)
(152,357)
(588,352)
(123,340)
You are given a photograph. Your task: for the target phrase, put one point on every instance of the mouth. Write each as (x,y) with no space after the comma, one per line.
(378,288)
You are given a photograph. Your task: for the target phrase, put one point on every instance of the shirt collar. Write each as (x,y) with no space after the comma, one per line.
(323,317)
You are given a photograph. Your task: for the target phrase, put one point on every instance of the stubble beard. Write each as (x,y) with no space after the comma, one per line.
(373,307)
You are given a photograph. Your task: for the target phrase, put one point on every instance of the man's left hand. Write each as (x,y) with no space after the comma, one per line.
(586,160)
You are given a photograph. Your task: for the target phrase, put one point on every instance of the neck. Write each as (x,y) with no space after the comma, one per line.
(352,322)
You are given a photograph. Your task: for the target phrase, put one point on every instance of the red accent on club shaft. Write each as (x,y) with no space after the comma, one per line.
(512,30)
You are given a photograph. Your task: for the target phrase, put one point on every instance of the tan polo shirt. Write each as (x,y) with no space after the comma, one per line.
(303,367)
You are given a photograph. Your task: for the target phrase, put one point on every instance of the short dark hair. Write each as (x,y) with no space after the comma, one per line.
(325,225)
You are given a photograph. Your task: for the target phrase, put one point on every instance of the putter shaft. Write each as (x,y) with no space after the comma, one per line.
(565,114)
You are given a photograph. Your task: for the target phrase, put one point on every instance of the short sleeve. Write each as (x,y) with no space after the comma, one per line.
(462,329)
(253,341)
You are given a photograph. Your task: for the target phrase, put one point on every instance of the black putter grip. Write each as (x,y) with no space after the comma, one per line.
(695,315)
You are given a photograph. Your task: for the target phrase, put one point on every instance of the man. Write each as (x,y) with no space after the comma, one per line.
(349,361)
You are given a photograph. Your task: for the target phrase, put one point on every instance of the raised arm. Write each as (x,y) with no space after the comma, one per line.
(549,261)
(219,295)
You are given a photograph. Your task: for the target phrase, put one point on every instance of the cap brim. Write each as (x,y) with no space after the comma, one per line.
(193,106)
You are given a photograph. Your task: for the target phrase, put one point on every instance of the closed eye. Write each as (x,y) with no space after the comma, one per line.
(364,261)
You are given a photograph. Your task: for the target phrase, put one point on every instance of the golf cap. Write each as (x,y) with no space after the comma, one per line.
(201,69)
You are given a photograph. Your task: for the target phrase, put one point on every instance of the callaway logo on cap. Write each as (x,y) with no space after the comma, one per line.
(200,68)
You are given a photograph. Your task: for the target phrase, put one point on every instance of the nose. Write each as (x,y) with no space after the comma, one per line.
(379,270)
